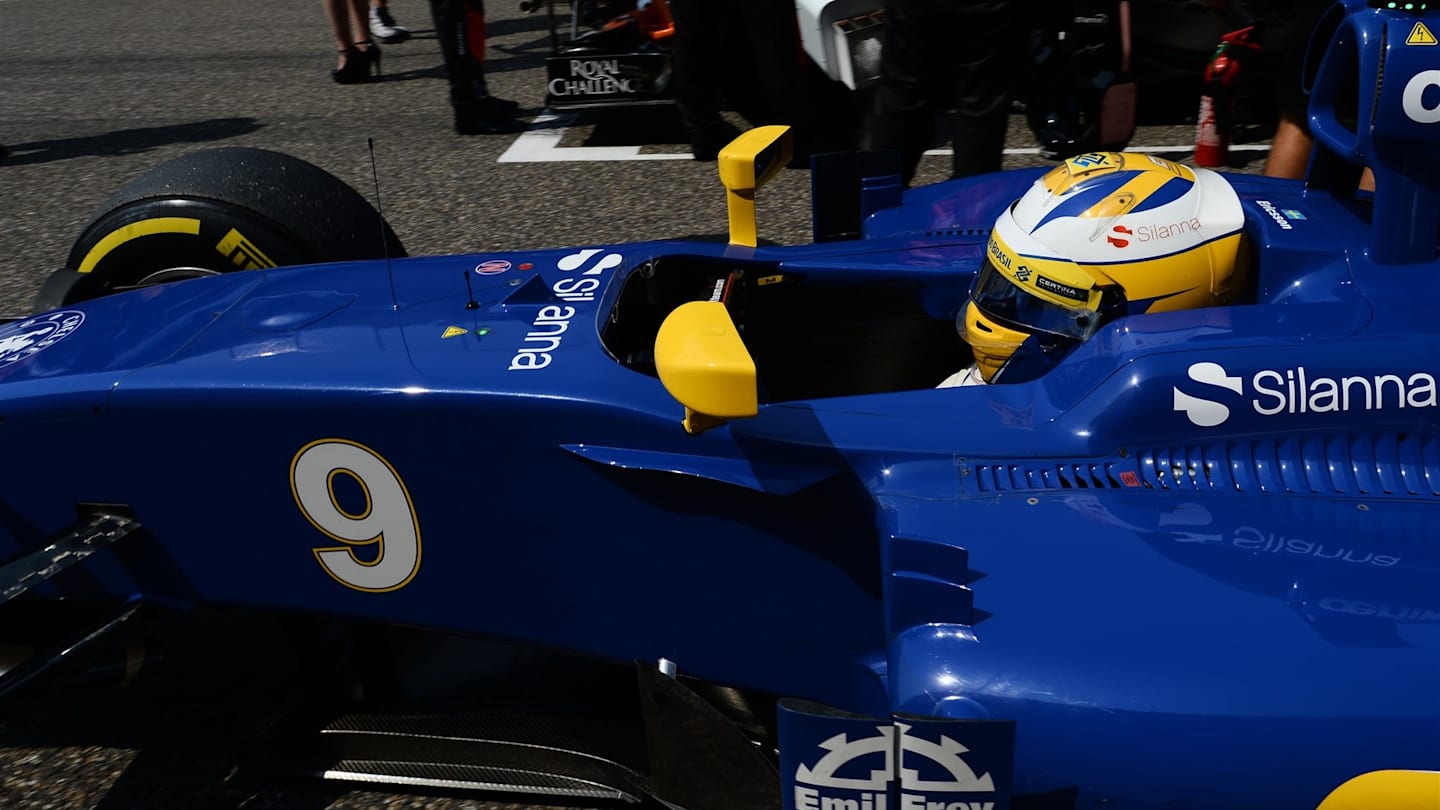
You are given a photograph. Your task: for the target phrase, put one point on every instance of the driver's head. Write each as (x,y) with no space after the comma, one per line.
(1103,235)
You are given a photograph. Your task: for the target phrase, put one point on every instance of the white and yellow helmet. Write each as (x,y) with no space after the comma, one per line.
(1104,234)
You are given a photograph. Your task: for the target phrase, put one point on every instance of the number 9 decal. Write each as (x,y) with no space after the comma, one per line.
(386,522)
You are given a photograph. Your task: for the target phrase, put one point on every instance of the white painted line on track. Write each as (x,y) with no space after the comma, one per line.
(1035,150)
(540,143)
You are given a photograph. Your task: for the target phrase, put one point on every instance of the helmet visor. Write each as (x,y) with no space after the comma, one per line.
(1007,302)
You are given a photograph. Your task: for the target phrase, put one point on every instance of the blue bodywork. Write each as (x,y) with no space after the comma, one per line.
(1192,566)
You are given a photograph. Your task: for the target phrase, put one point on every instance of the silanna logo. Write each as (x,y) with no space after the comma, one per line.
(29,337)
(1121,236)
(844,768)
(1298,390)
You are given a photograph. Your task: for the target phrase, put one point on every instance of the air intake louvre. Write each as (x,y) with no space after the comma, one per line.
(1065,475)
(1339,464)
(1369,464)
(944,232)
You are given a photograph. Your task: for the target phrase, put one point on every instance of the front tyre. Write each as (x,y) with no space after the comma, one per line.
(218,211)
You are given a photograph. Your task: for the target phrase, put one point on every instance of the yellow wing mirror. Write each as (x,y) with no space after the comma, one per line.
(746,164)
(703,363)
(1393,790)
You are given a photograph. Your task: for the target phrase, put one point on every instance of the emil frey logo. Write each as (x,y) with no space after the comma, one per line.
(814,784)
(1299,390)
(29,337)
(493,267)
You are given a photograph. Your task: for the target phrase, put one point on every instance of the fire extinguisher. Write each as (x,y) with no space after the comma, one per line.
(1222,76)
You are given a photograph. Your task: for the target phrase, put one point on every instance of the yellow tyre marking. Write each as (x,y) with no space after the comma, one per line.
(135,230)
(1391,790)
(242,252)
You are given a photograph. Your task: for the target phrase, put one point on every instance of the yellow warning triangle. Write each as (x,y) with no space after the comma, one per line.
(453,331)
(1420,35)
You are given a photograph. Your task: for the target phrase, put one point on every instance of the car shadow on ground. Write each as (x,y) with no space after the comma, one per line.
(129,141)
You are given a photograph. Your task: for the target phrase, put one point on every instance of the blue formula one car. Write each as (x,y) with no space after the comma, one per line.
(1191,563)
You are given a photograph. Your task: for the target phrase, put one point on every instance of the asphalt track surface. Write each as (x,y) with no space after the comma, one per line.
(94,93)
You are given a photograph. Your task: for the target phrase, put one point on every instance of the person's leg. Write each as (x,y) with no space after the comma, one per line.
(337,13)
(778,63)
(697,52)
(1289,149)
(460,30)
(989,37)
(903,115)
(360,33)
(357,56)
(357,11)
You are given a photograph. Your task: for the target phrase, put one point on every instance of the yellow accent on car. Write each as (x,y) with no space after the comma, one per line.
(704,365)
(136,230)
(1391,790)
(746,164)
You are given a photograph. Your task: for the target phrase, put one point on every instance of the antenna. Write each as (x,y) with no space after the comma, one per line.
(384,239)
(470,291)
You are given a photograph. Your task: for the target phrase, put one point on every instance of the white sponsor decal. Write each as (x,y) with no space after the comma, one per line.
(594,77)
(1204,412)
(1297,391)
(1413,99)
(812,783)
(551,322)
(543,338)
(29,337)
(1269,208)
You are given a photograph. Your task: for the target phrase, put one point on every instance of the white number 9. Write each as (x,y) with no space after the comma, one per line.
(387,521)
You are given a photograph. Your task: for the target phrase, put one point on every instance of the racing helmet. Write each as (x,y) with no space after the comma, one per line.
(1103,235)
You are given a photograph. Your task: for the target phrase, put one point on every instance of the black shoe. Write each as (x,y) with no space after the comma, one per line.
(360,59)
(497,105)
(1059,137)
(480,95)
(483,119)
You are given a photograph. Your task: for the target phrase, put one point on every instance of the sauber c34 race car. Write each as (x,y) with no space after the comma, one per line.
(1191,565)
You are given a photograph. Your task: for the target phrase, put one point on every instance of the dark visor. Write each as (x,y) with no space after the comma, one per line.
(1015,307)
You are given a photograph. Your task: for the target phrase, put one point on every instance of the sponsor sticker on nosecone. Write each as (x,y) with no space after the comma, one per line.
(25,339)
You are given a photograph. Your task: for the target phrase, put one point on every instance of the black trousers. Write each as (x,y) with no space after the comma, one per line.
(941,55)
(746,52)
(460,29)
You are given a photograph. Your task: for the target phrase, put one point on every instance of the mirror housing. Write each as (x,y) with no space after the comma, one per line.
(704,364)
(746,164)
